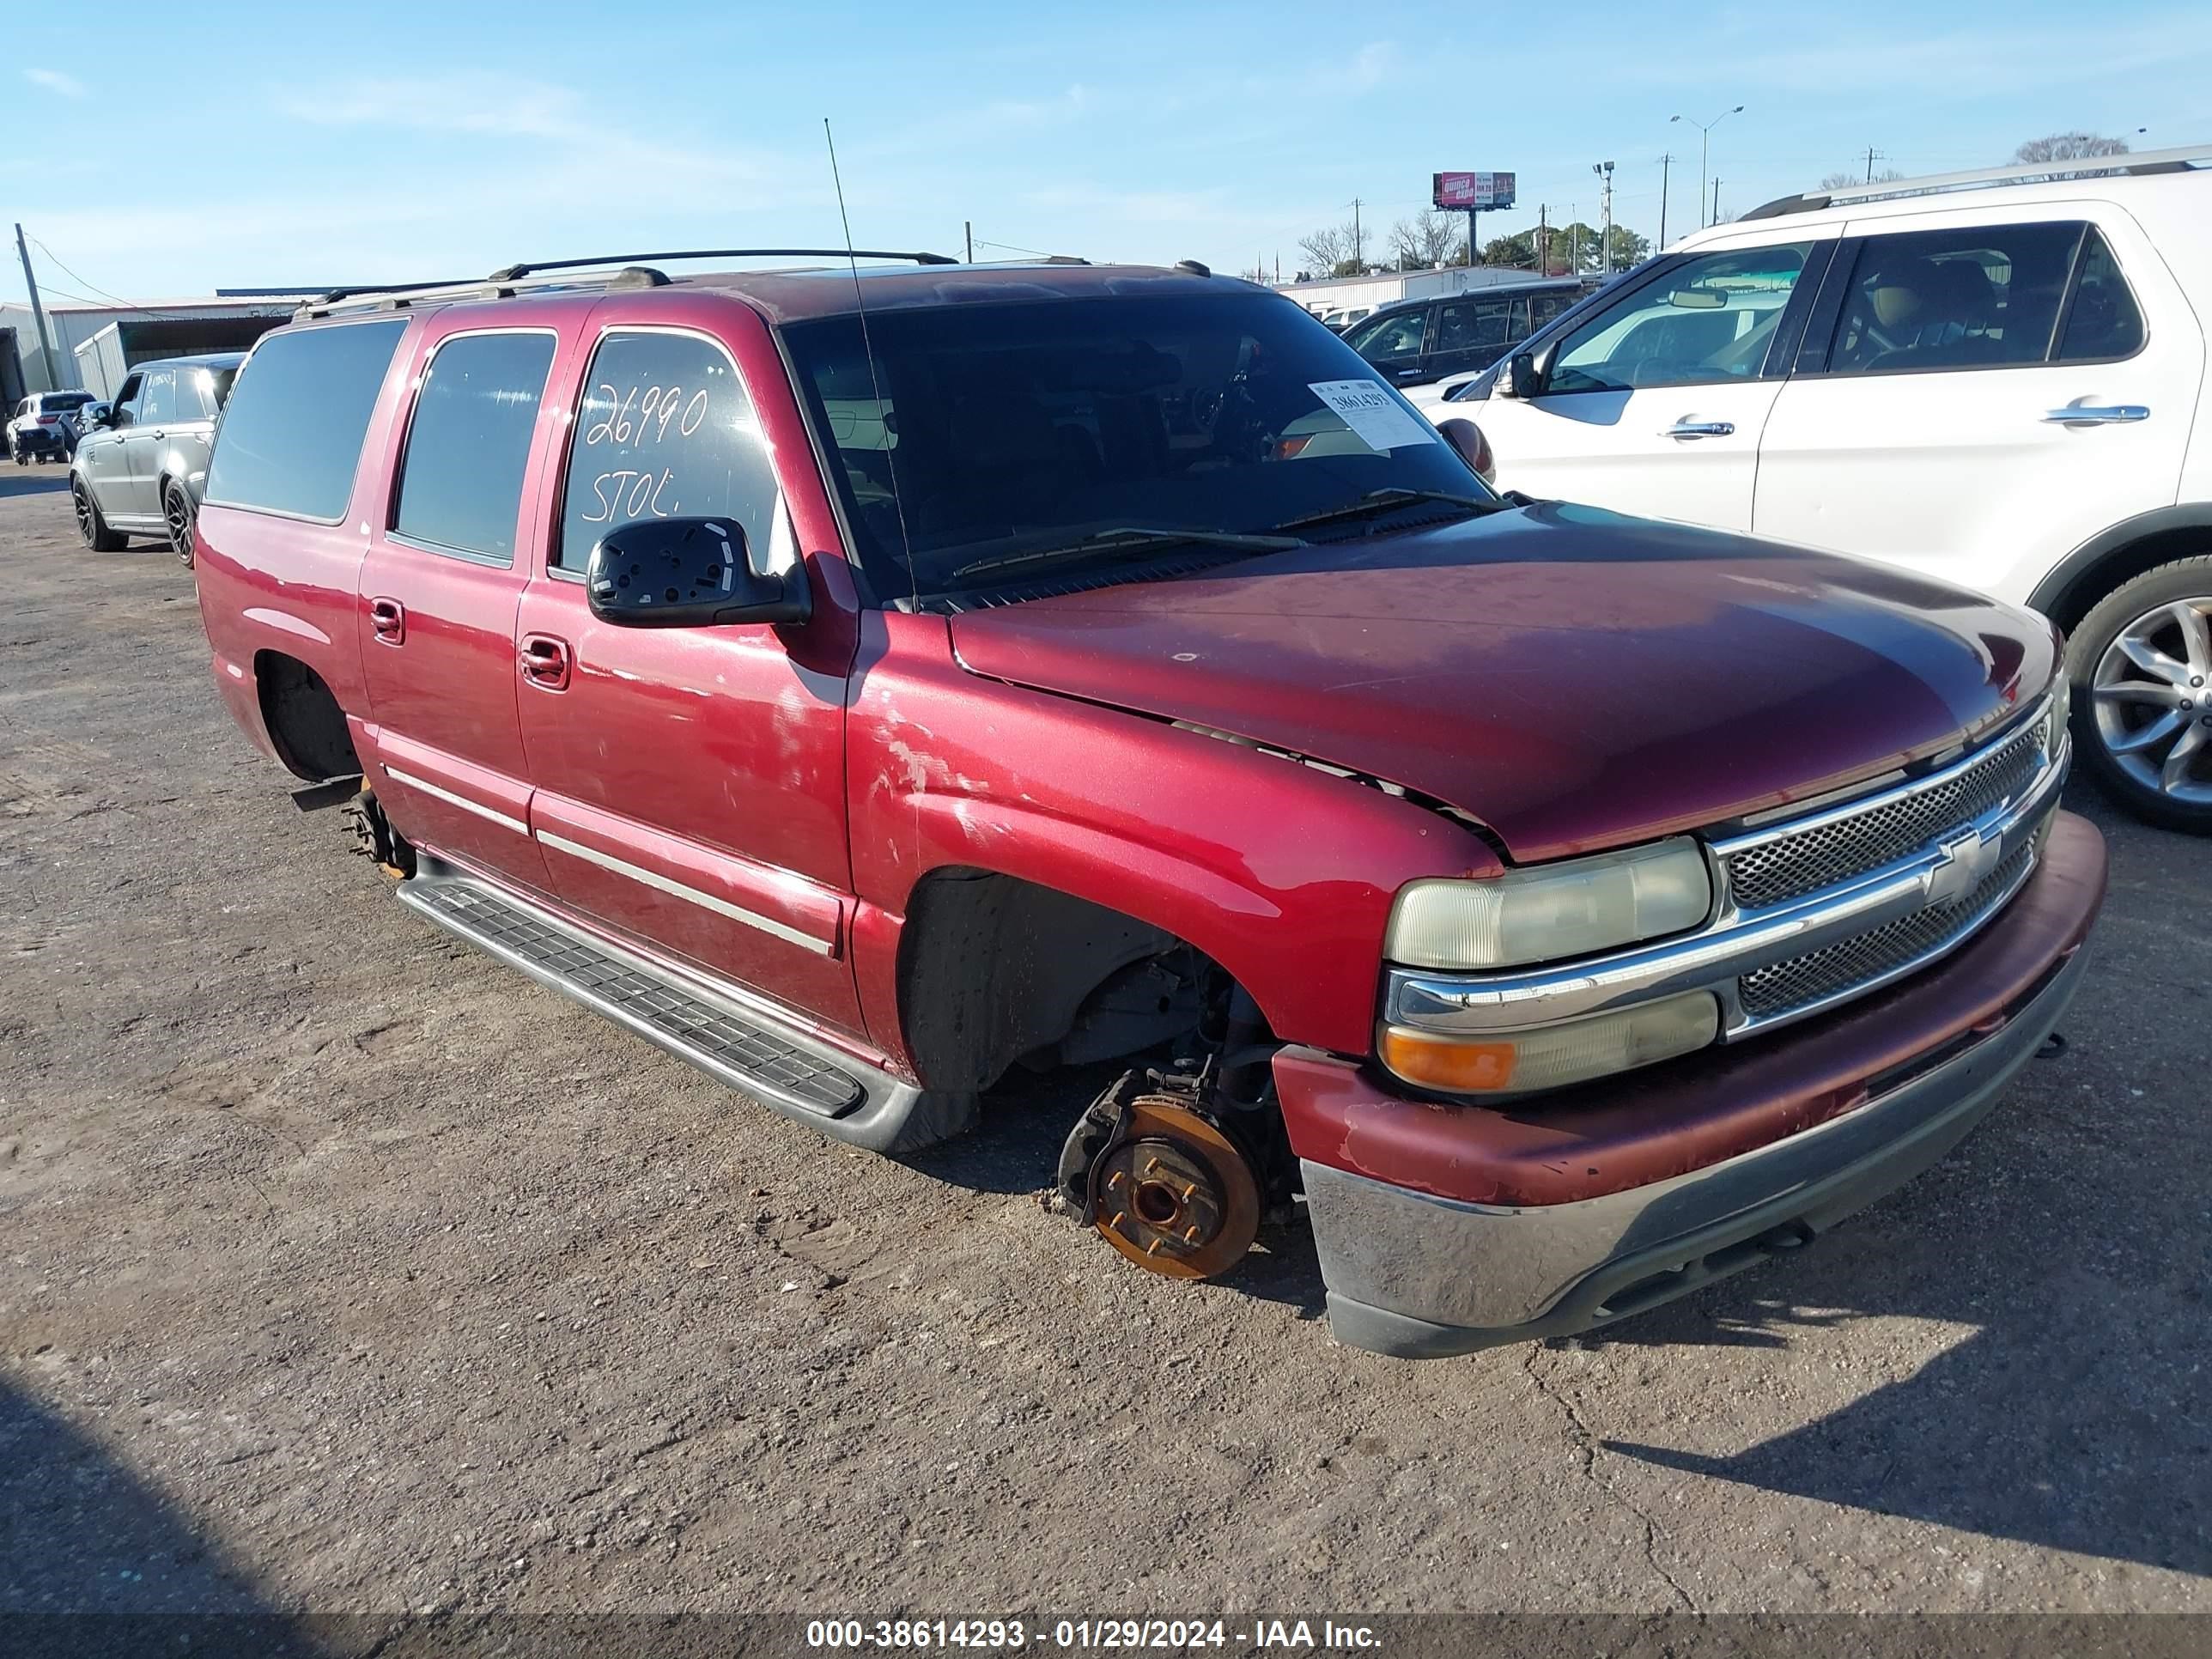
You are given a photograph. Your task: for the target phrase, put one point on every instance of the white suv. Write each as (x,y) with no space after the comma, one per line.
(1996,377)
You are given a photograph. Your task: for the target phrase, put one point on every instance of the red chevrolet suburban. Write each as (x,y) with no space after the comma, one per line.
(860,679)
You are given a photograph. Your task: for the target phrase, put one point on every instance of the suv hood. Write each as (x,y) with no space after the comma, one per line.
(1573,678)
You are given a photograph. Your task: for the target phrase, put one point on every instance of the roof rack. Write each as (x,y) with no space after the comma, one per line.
(2137,164)
(508,279)
(508,273)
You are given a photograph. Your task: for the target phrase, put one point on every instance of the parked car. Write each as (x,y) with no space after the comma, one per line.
(1996,379)
(1569,909)
(43,428)
(1418,341)
(140,468)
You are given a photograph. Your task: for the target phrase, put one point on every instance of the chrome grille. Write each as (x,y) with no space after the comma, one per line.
(1792,866)
(1858,962)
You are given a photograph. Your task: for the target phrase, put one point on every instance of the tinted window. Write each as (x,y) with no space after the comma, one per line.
(1470,325)
(193,402)
(461,486)
(291,436)
(665,431)
(1709,319)
(158,402)
(2103,321)
(56,402)
(1975,298)
(1394,334)
(1011,432)
(126,401)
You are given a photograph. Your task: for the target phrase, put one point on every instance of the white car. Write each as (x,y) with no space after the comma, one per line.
(1999,378)
(43,426)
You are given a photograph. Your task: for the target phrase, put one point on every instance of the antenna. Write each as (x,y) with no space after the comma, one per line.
(868,350)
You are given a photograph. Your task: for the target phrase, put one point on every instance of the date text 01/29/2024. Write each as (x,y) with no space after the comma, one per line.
(1156,1635)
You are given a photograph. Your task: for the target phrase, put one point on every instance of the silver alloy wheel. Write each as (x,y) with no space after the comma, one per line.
(2152,697)
(177,514)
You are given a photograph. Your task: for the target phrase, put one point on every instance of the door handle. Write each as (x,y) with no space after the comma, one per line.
(387,619)
(1689,428)
(2097,414)
(544,661)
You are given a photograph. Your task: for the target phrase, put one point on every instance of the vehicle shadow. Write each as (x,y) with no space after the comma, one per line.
(32,480)
(2069,1412)
(95,1562)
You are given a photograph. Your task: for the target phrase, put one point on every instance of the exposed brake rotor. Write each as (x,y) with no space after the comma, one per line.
(1173,1193)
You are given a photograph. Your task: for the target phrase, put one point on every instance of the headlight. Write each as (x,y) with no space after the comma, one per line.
(1552,1056)
(1567,909)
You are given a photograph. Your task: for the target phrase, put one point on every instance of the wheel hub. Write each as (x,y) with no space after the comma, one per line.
(1174,1193)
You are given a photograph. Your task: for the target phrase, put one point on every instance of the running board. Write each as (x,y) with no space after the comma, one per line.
(720,1030)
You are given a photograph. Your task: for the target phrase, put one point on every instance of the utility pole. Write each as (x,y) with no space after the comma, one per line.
(968,229)
(1358,241)
(1604,170)
(1872,155)
(1666,165)
(38,313)
(1716,219)
(1543,239)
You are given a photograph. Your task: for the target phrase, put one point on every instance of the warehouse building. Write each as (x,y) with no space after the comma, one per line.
(93,345)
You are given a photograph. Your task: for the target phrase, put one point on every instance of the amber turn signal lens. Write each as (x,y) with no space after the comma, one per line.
(1455,1067)
(1552,1056)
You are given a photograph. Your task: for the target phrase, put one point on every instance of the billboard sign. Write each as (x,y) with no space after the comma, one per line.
(1480,191)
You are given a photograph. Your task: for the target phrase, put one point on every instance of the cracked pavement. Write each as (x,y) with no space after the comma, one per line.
(347,1270)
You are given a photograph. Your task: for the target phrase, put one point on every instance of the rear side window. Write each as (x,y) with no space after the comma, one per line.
(292,433)
(158,402)
(461,486)
(193,402)
(1982,297)
(2102,320)
(665,431)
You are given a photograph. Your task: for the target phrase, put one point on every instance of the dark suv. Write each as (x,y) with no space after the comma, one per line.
(139,469)
(1417,341)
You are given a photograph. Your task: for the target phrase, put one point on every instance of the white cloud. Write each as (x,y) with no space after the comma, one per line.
(68,86)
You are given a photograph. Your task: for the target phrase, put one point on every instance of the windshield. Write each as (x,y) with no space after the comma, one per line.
(986,431)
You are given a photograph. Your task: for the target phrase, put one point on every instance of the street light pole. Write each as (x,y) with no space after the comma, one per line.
(1705,144)
(1604,170)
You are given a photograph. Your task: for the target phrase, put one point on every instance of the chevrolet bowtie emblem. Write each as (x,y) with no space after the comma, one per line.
(1965,858)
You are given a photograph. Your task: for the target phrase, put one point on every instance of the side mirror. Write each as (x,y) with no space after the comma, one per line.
(688,572)
(96,415)
(1525,374)
(1467,440)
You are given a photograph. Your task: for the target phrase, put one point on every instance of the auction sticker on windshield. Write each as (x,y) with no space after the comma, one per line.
(1380,420)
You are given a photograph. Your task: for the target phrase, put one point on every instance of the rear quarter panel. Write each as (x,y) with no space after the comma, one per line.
(269,583)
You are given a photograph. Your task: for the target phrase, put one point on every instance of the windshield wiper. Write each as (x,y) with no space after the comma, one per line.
(1133,539)
(1382,500)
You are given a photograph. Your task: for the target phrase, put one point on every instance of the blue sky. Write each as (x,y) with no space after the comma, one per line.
(271,144)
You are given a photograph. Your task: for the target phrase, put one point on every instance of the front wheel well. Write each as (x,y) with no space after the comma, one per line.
(993,969)
(305,721)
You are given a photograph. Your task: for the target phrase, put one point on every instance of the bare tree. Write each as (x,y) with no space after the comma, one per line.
(1332,251)
(1427,240)
(1845,180)
(2068,146)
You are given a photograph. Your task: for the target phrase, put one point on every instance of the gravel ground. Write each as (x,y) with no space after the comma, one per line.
(349,1271)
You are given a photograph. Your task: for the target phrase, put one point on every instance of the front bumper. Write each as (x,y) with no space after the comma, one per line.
(1444,1229)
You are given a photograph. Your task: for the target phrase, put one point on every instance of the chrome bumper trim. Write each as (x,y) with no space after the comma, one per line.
(1411,1274)
(1736,942)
